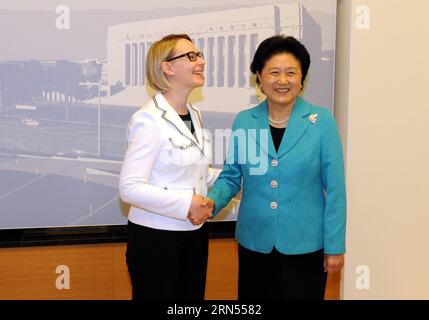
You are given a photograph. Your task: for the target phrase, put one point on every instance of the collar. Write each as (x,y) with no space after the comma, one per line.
(297,126)
(172,117)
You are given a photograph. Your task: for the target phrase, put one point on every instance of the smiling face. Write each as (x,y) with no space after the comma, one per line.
(280,79)
(182,73)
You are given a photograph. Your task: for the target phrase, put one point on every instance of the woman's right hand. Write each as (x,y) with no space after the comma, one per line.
(200,210)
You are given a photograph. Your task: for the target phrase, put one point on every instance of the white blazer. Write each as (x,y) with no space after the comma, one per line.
(164,166)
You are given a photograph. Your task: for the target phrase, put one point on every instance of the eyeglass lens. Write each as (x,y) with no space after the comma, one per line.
(193,56)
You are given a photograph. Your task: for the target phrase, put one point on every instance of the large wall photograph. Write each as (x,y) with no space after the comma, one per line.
(71,76)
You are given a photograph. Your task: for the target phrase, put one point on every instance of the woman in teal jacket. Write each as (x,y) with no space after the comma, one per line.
(287,155)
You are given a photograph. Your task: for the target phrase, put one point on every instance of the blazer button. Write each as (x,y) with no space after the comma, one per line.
(274,184)
(273,205)
(274,163)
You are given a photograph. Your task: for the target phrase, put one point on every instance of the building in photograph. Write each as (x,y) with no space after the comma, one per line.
(228,39)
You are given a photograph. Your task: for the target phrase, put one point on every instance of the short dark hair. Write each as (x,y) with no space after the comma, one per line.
(280,44)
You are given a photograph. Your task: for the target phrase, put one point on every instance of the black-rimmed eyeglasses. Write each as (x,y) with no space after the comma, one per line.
(192,56)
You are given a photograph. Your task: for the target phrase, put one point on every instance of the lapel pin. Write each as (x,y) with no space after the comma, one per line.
(313,118)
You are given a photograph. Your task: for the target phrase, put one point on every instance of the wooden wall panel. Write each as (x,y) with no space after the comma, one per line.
(222,270)
(30,273)
(100,272)
(122,284)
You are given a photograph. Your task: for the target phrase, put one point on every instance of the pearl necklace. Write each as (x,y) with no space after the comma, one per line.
(278,122)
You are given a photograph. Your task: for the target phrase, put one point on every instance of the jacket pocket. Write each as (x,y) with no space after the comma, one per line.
(182,190)
(180,152)
(181,143)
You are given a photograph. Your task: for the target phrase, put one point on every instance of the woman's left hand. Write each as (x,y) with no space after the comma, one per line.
(333,262)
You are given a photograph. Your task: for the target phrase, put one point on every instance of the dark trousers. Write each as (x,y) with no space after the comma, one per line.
(167,265)
(276,276)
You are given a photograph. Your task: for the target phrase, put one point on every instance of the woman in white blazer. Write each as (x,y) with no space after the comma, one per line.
(164,176)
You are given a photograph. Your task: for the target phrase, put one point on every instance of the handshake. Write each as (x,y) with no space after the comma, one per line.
(200,210)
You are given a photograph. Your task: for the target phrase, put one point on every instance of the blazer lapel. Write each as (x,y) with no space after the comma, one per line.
(297,126)
(198,126)
(260,115)
(171,116)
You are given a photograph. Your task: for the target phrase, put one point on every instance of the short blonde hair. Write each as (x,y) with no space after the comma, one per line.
(161,51)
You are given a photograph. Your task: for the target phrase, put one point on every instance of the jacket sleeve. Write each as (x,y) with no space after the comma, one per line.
(213,174)
(144,145)
(334,186)
(228,184)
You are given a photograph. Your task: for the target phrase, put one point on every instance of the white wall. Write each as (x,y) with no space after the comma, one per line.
(383,113)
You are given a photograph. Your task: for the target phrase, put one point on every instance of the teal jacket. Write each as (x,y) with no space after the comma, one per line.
(293,199)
